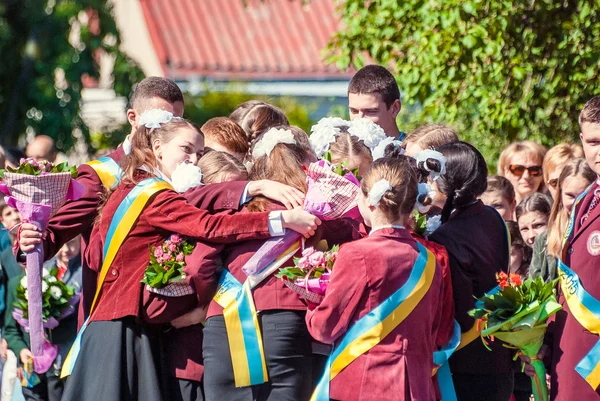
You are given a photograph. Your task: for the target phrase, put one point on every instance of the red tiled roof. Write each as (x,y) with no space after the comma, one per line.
(239,40)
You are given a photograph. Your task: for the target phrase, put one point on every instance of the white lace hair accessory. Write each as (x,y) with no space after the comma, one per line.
(379,150)
(324,132)
(422,157)
(377,191)
(153,118)
(185,176)
(367,131)
(424,189)
(270,139)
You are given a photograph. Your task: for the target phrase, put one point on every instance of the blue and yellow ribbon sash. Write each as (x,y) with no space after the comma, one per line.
(123,220)
(582,305)
(108,171)
(372,328)
(241,322)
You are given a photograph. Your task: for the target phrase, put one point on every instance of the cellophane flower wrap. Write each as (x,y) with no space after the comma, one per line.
(332,194)
(516,312)
(37,189)
(311,273)
(59,301)
(164,274)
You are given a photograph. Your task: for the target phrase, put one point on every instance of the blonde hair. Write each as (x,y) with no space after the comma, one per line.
(403,175)
(529,147)
(557,223)
(432,136)
(227,133)
(256,116)
(215,164)
(559,155)
(347,147)
(141,145)
(284,165)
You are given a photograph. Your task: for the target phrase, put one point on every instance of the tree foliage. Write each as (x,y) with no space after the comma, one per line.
(498,70)
(48,47)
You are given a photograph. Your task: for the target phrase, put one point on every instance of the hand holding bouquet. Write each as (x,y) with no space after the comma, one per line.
(164,275)
(37,189)
(516,312)
(311,273)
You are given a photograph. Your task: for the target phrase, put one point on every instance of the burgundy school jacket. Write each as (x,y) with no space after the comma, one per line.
(571,340)
(166,213)
(476,241)
(183,347)
(272,293)
(366,273)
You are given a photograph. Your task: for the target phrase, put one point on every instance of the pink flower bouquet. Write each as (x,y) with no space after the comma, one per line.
(164,275)
(38,189)
(310,274)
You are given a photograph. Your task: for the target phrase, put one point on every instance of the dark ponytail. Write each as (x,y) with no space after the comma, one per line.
(465,178)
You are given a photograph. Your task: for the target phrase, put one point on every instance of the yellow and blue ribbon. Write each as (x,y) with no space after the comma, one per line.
(125,216)
(372,328)
(108,171)
(241,322)
(584,307)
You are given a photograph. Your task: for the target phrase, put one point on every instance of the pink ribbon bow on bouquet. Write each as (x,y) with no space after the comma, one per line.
(38,198)
(330,196)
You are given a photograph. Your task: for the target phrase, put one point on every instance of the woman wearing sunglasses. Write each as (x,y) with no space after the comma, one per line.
(554,162)
(521,163)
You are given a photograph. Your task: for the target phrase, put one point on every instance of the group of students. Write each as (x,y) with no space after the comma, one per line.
(134,344)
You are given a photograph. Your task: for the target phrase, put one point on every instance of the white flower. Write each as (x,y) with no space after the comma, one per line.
(55,292)
(377,191)
(424,189)
(379,150)
(51,279)
(44,286)
(324,133)
(45,272)
(270,139)
(422,157)
(367,131)
(24,282)
(185,176)
(153,118)
(433,223)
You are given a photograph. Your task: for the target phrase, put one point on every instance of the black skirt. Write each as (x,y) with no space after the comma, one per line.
(288,353)
(119,360)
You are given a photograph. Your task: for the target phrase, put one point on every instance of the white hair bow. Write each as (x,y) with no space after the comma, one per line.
(422,157)
(324,133)
(367,131)
(270,139)
(153,118)
(378,190)
(424,189)
(379,150)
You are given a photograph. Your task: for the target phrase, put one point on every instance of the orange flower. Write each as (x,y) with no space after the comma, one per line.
(502,283)
(501,277)
(515,279)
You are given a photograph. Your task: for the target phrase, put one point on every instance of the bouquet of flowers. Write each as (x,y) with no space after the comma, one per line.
(330,196)
(311,273)
(516,312)
(164,275)
(38,189)
(59,300)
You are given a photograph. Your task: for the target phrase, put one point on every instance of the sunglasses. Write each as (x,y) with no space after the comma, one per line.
(519,170)
(553,182)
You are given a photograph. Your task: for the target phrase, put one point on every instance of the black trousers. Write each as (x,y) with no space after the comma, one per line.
(49,389)
(483,387)
(184,390)
(288,354)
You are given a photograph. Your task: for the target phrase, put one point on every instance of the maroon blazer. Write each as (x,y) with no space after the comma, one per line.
(183,347)
(366,273)
(272,294)
(166,213)
(571,340)
(476,241)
